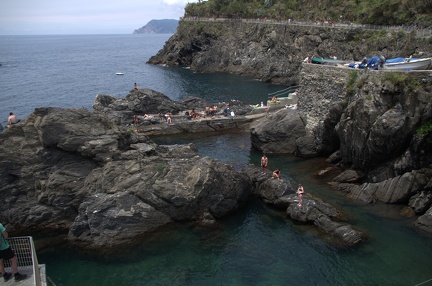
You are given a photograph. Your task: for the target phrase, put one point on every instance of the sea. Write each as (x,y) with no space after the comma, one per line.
(257,245)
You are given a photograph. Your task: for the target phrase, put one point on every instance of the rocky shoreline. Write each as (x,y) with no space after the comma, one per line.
(374,125)
(92,175)
(100,178)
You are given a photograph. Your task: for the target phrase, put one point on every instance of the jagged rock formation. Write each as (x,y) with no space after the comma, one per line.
(74,170)
(147,103)
(83,172)
(165,26)
(270,135)
(370,122)
(272,52)
(280,194)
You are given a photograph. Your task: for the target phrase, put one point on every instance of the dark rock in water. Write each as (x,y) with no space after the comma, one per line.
(425,221)
(421,202)
(147,104)
(397,190)
(71,169)
(279,132)
(281,195)
(306,147)
(349,176)
(138,102)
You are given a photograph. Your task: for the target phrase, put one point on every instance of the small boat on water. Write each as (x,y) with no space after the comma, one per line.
(408,64)
(119,73)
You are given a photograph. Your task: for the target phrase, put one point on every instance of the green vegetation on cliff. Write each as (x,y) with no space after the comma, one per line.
(379,12)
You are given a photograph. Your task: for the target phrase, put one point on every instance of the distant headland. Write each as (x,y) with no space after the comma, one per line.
(165,26)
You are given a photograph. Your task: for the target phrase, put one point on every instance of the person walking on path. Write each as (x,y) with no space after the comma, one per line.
(300,192)
(264,162)
(6,253)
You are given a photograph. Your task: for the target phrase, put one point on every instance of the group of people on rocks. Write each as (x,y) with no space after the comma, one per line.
(209,111)
(276,174)
(11,120)
(167,117)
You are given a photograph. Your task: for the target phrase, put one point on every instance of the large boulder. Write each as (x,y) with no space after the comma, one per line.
(278,132)
(397,190)
(425,221)
(77,171)
(137,102)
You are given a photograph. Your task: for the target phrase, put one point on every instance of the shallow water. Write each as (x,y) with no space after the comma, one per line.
(259,245)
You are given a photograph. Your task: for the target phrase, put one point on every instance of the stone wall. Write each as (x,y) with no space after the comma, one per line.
(321,87)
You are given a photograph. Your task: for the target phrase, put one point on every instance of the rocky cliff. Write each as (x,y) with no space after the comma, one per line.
(274,52)
(374,125)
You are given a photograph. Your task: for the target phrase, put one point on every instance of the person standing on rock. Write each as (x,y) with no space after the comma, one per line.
(264,162)
(300,192)
(135,120)
(135,86)
(6,253)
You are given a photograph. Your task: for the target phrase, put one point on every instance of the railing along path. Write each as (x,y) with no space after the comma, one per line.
(420,33)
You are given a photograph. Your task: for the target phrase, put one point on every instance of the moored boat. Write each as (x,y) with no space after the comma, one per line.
(408,64)
(328,61)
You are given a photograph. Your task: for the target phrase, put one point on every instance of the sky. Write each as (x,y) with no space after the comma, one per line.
(47,17)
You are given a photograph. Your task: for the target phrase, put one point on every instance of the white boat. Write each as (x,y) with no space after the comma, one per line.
(408,64)
(119,73)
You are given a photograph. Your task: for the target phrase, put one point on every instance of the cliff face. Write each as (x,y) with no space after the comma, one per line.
(372,121)
(375,126)
(274,52)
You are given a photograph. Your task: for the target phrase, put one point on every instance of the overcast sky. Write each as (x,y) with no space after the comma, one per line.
(43,17)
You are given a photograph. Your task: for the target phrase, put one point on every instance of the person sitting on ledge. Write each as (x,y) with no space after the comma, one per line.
(12,119)
(273,100)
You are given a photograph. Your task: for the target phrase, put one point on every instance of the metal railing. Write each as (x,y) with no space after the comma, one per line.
(284,92)
(26,256)
(420,33)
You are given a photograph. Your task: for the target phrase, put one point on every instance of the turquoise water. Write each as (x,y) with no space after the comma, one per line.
(257,245)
